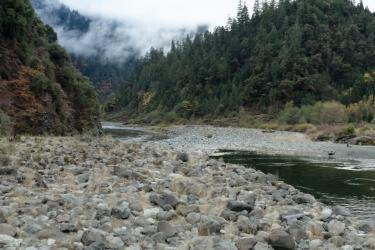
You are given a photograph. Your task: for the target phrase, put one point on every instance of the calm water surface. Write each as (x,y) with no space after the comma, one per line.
(348,183)
(331,183)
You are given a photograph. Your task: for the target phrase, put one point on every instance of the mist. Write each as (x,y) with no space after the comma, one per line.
(120,29)
(112,38)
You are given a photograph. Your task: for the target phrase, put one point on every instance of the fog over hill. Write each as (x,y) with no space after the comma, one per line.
(113,39)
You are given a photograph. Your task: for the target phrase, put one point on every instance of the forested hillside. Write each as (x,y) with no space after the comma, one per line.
(301,51)
(105,73)
(40,90)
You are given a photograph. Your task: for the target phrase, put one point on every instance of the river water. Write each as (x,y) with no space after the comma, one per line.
(343,183)
(331,182)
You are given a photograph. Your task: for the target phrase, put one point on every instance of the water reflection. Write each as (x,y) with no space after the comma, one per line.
(332,183)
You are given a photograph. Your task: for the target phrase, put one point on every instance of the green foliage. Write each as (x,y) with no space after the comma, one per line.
(290,115)
(363,111)
(321,113)
(40,84)
(58,54)
(349,130)
(300,51)
(61,100)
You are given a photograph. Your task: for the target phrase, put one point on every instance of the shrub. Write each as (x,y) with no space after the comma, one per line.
(363,111)
(58,54)
(290,115)
(40,84)
(6,124)
(347,131)
(332,113)
(170,117)
(324,113)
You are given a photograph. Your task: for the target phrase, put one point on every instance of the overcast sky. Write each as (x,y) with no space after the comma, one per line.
(166,12)
(143,23)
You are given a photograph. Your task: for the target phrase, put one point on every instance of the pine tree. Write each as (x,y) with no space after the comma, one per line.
(256,8)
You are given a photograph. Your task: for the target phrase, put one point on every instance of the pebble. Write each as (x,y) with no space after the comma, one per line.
(112,195)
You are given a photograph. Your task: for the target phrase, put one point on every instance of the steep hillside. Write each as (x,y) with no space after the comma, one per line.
(104,49)
(39,88)
(301,51)
(106,73)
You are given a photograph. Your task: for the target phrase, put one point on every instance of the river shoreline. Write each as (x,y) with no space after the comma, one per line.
(99,193)
(209,140)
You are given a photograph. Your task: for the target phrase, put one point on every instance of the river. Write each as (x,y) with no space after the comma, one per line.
(349,183)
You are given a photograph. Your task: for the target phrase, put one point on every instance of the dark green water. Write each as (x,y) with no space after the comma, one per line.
(331,183)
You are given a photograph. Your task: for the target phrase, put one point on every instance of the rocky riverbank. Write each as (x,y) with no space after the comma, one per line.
(86,193)
(209,139)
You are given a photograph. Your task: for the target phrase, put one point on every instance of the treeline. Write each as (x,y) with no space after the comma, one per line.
(301,51)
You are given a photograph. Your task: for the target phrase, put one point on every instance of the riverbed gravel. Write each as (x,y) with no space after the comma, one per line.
(99,193)
(210,140)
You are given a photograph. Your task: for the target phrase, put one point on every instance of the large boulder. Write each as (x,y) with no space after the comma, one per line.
(164,200)
(280,239)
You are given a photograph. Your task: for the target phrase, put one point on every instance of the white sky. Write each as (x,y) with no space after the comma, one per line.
(169,13)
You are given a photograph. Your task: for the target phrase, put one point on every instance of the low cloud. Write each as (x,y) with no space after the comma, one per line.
(120,29)
(110,37)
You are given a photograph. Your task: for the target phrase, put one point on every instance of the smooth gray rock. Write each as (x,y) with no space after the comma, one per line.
(314,244)
(208,226)
(304,199)
(8,230)
(136,206)
(298,231)
(326,214)
(224,245)
(164,200)
(193,218)
(166,215)
(92,236)
(367,226)
(112,242)
(340,210)
(167,229)
(292,215)
(238,206)
(279,238)
(8,242)
(262,246)
(102,211)
(245,225)
(184,209)
(121,212)
(34,227)
(246,243)
(336,227)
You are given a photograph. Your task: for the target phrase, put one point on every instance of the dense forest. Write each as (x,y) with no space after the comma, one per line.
(296,52)
(41,92)
(106,74)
